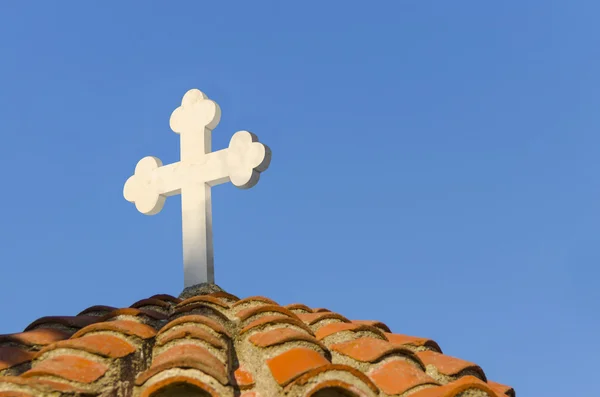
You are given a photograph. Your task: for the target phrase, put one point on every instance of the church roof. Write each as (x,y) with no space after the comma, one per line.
(211,343)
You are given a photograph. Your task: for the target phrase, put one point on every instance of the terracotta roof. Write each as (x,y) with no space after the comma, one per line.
(218,345)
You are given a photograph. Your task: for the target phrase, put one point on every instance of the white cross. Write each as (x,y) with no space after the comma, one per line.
(198,170)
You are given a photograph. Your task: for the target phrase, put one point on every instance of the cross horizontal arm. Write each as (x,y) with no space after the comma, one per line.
(168,180)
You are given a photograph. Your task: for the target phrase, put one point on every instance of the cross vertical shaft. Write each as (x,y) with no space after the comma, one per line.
(196,211)
(196,224)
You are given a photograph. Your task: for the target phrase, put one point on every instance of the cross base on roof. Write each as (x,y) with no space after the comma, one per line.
(199,289)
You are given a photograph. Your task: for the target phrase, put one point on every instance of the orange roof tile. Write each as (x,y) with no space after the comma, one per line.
(397,377)
(334,328)
(73,368)
(38,337)
(243,378)
(11,356)
(186,356)
(130,328)
(331,370)
(191,332)
(65,322)
(289,365)
(102,345)
(370,350)
(399,339)
(221,345)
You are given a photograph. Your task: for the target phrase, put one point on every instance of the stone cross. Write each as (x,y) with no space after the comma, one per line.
(193,176)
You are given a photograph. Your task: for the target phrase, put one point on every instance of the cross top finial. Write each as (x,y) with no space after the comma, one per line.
(193,176)
(196,112)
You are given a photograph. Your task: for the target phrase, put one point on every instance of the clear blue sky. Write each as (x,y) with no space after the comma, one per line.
(435,165)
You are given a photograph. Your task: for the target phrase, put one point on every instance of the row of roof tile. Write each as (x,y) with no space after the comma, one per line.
(220,345)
